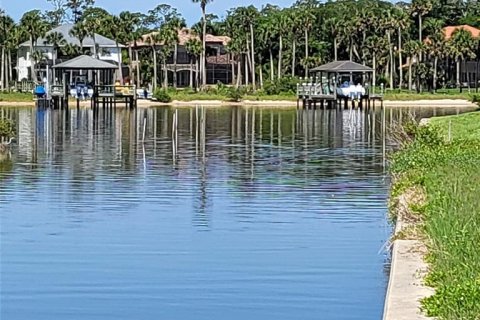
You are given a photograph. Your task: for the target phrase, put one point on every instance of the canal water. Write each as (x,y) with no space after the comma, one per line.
(222,213)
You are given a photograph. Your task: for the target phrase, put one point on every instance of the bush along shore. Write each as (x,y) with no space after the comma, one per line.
(438,171)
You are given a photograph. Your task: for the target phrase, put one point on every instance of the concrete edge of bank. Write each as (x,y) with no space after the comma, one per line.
(405,285)
(408,269)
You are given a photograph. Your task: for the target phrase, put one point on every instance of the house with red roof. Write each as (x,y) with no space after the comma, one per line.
(219,62)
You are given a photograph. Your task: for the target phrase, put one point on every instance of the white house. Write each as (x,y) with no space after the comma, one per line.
(106,49)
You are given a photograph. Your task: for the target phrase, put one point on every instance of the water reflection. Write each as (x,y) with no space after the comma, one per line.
(196,213)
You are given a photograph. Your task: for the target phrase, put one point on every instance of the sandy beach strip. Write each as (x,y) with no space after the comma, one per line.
(261,103)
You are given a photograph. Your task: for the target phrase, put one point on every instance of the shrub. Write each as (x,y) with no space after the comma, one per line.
(162,96)
(285,85)
(235,94)
(7,128)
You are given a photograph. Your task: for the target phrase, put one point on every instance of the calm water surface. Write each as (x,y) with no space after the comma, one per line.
(232,213)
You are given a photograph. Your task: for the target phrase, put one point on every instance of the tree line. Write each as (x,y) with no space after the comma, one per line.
(403,42)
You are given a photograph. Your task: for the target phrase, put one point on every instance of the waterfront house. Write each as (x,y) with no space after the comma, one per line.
(219,62)
(469,70)
(106,50)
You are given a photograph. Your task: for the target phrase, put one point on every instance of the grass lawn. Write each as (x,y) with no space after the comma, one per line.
(404,95)
(466,126)
(449,173)
(16,97)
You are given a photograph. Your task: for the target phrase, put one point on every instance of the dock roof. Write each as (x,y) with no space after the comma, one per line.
(342,67)
(85,62)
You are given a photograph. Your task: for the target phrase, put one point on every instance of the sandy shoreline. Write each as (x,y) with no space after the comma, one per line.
(263,103)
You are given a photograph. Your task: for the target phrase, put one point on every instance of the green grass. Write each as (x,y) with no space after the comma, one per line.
(466,126)
(449,172)
(16,97)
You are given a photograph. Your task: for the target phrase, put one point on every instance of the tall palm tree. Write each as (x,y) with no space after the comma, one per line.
(7,39)
(402,22)
(193,47)
(462,47)
(94,20)
(249,17)
(268,36)
(308,17)
(295,32)
(57,40)
(435,46)
(282,23)
(33,26)
(130,24)
(79,31)
(175,24)
(167,36)
(420,8)
(414,50)
(333,25)
(203,6)
(153,39)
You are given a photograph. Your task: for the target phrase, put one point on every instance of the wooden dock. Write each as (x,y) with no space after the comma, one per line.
(313,95)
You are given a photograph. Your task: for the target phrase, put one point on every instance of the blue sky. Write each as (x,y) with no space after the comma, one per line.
(189,10)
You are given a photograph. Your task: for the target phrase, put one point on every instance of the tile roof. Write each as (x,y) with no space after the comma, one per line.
(184,35)
(448,31)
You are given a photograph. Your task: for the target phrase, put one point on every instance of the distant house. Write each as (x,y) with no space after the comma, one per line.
(469,70)
(106,50)
(219,63)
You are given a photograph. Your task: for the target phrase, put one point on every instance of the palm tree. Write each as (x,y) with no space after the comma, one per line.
(129,23)
(57,41)
(462,47)
(420,8)
(94,20)
(414,50)
(167,36)
(402,22)
(435,45)
(112,26)
(79,31)
(71,50)
(248,17)
(295,32)
(203,6)
(267,36)
(37,57)
(374,46)
(175,24)
(308,17)
(33,26)
(333,26)
(388,23)
(193,47)
(282,24)
(8,29)
(153,39)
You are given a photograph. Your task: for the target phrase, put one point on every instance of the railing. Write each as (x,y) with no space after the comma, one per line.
(115,90)
(57,90)
(21,86)
(313,89)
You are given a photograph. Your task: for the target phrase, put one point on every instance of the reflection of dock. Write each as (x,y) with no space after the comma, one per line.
(324,89)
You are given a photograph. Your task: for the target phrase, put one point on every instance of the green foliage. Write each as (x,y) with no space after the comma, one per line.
(162,95)
(235,94)
(7,129)
(448,172)
(285,85)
